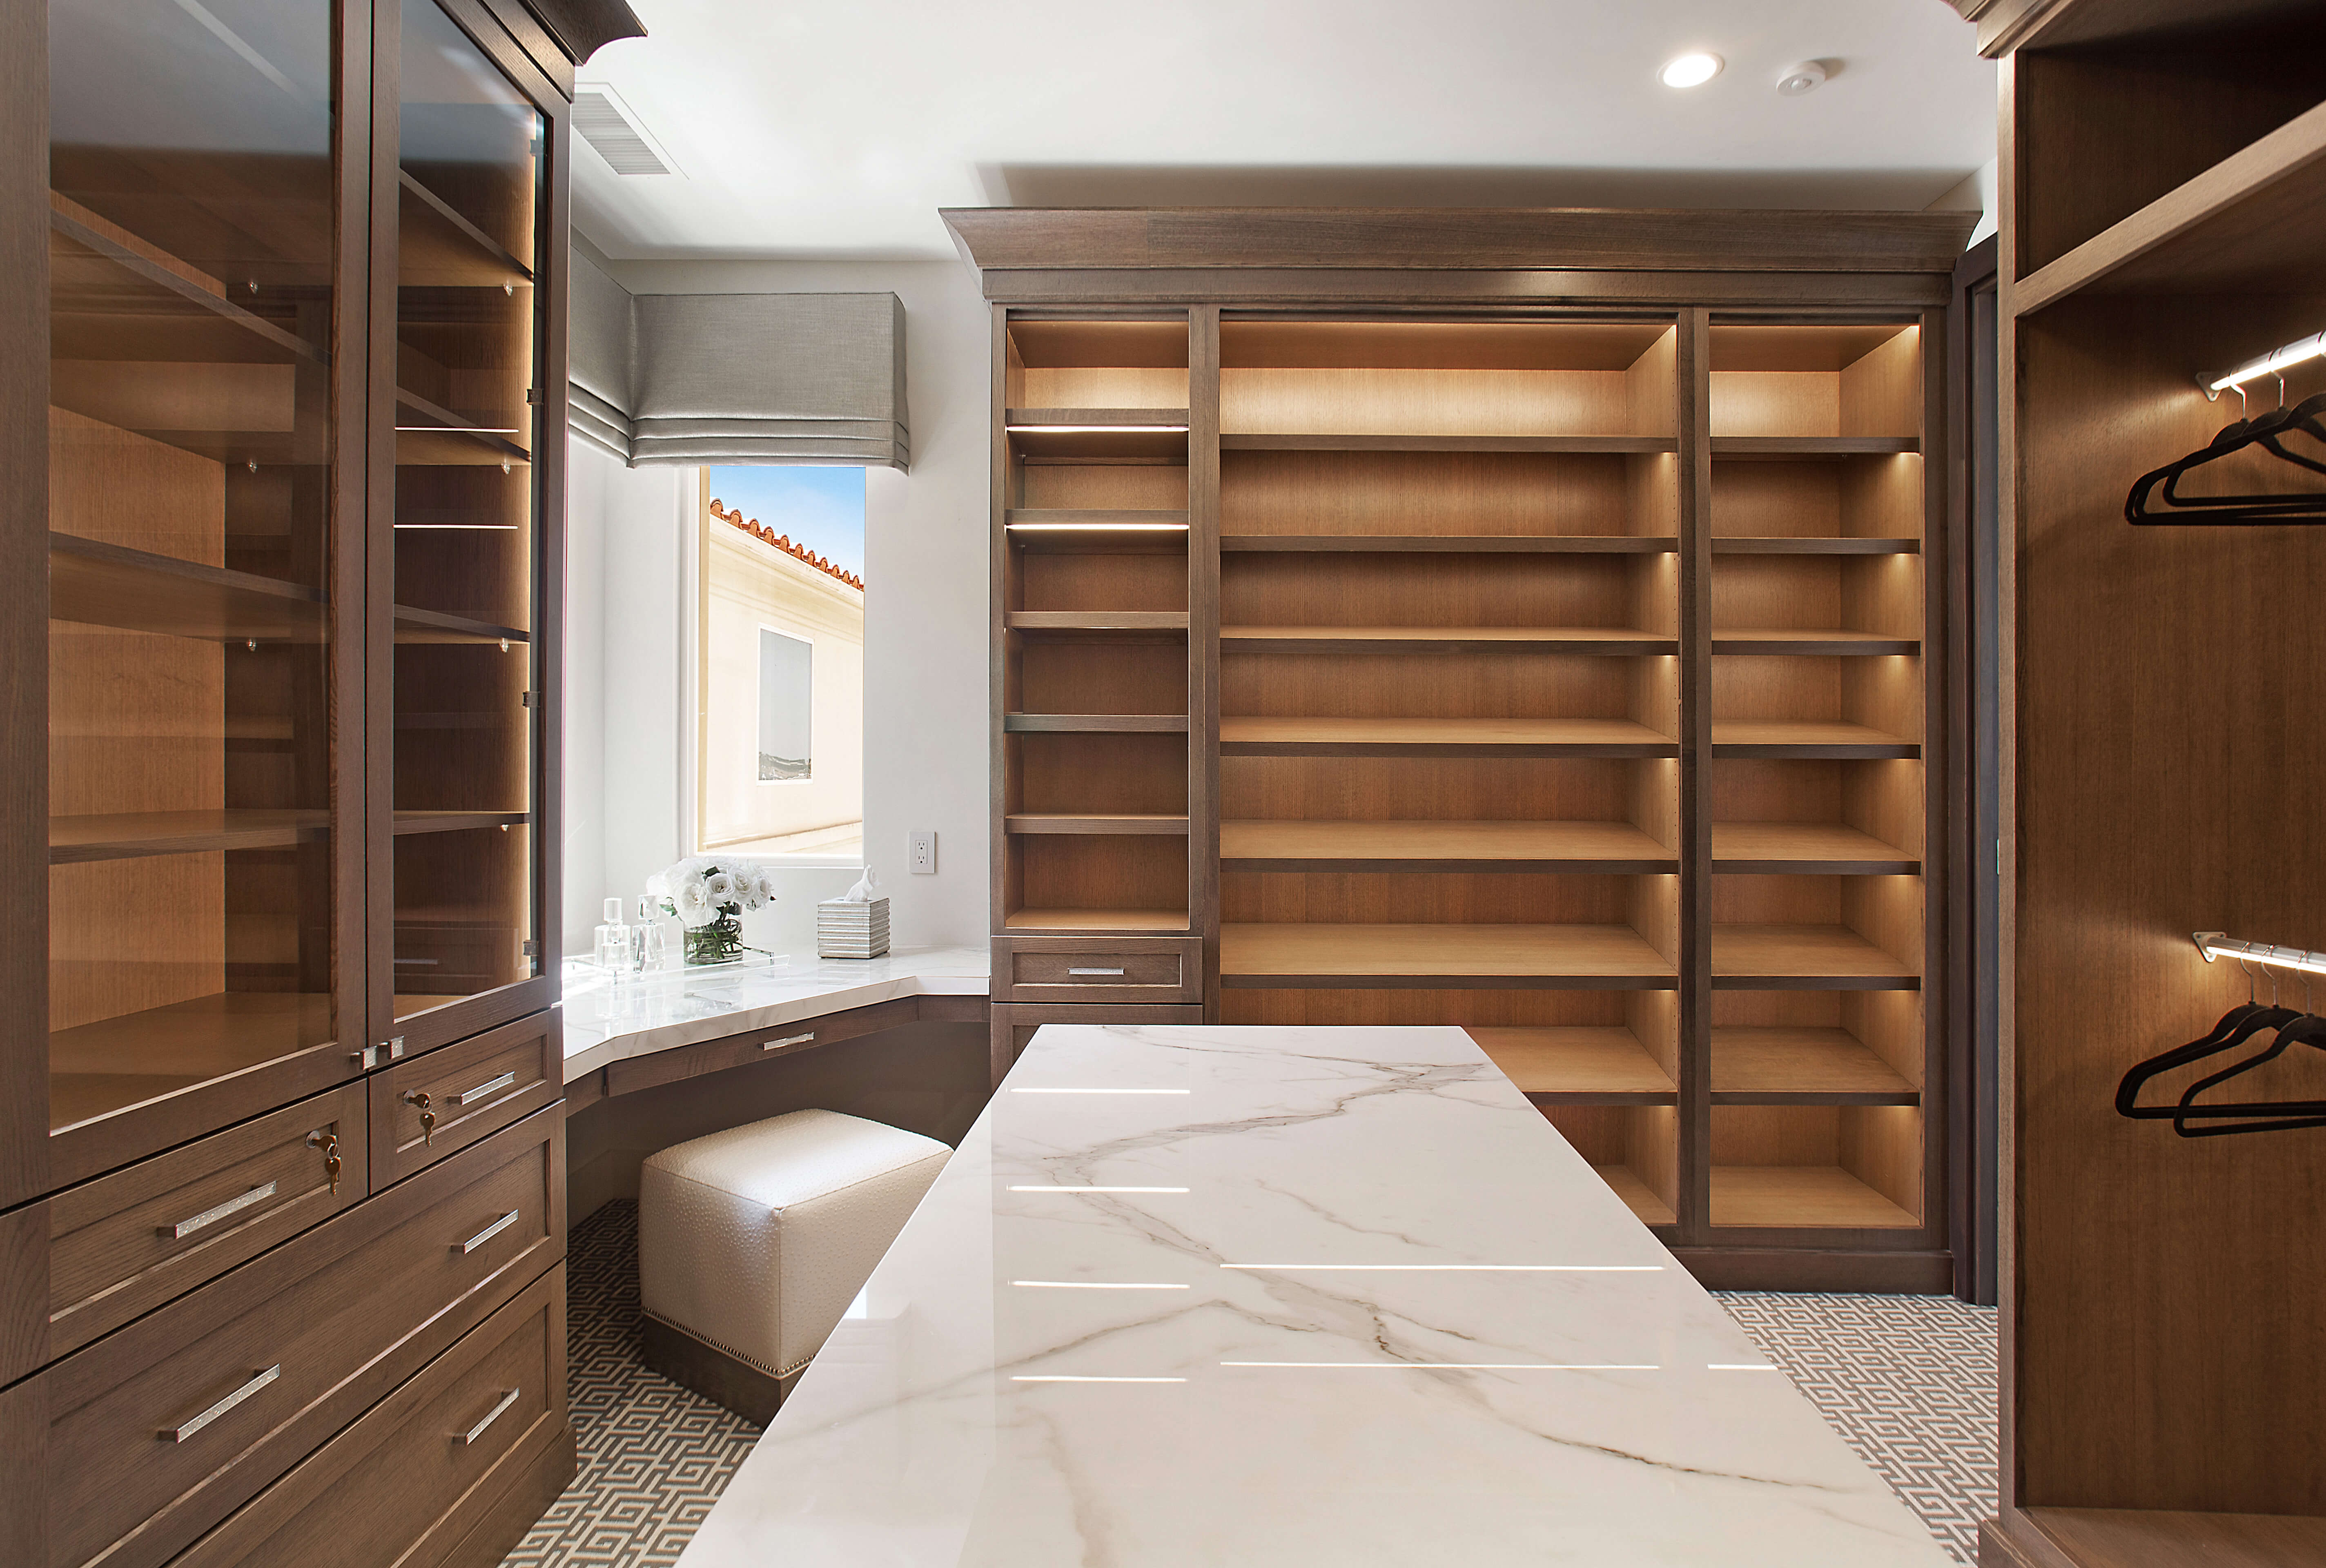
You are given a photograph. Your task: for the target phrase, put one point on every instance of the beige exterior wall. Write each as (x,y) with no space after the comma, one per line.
(747,584)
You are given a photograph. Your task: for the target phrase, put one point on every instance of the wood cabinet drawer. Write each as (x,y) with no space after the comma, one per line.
(160,1430)
(1067,969)
(1014,1026)
(124,1244)
(470,1091)
(405,1484)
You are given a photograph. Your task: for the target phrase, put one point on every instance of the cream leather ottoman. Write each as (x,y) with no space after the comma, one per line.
(752,1243)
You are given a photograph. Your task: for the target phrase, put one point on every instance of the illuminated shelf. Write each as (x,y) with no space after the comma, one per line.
(1791,1065)
(1256,442)
(1812,446)
(1442,738)
(1096,920)
(1120,822)
(1821,848)
(1587,957)
(1440,846)
(1156,435)
(1095,620)
(1577,1065)
(1637,1195)
(1824,958)
(1812,739)
(1748,1196)
(1609,640)
(1788,545)
(1835,642)
(1095,723)
(1454,543)
(110,585)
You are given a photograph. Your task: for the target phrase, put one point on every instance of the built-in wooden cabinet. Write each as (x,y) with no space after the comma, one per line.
(281,390)
(1555,662)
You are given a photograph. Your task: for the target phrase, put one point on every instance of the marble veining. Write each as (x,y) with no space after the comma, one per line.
(611,1018)
(1207,1295)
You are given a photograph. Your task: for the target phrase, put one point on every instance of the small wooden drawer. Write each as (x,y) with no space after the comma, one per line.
(756,1045)
(470,1089)
(405,1484)
(1071,969)
(162,1429)
(124,1244)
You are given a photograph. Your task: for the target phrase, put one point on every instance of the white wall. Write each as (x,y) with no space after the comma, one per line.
(925,634)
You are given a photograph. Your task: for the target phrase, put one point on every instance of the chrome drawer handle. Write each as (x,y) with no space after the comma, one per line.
(486,1234)
(807,1038)
(491,1086)
(258,1381)
(185,1228)
(491,1416)
(1080,972)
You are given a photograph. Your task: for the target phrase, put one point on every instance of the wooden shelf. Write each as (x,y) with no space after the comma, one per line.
(1095,620)
(1454,543)
(2151,1537)
(409,822)
(2248,224)
(1825,1196)
(1061,530)
(1823,643)
(1820,958)
(420,626)
(1577,1065)
(1757,1065)
(1095,723)
(1256,442)
(1442,738)
(1096,920)
(134,835)
(1154,435)
(1601,640)
(437,247)
(1588,957)
(109,302)
(99,1068)
(1441,846)
(447,440)
(1124,822)
(1638,1196)
(1809,738)
(1790,544)
(1814,848)
(92,583)
(1812,446)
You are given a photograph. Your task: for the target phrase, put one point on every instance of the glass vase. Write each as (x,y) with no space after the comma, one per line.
(720,942)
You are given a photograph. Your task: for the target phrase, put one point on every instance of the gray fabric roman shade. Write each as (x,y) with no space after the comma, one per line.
(676,379)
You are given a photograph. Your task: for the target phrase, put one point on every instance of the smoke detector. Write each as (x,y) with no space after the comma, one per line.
(1805,77)
(614,130)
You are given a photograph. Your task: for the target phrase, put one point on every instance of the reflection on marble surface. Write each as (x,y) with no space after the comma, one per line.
(610,1017)
(1212,1295)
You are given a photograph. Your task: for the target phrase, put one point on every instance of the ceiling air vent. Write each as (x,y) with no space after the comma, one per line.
(608,124)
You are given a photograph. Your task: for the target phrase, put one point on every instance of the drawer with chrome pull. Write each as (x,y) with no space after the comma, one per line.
(124,1244)
(408,1481)
(163,1427)
(427,1107)
(1069,969)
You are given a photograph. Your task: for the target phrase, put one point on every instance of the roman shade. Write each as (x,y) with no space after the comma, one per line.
(673,379)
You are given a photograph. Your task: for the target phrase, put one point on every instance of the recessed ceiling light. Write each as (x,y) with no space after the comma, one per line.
(1805,77)
(1689,71)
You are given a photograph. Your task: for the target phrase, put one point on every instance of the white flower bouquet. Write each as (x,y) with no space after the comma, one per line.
(708,894)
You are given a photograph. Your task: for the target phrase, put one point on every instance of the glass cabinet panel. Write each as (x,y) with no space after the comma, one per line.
(470,172)
(192,868)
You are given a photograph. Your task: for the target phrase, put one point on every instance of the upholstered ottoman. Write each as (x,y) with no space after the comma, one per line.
(752,1243)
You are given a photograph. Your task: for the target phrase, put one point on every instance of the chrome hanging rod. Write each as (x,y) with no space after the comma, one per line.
(2220,945)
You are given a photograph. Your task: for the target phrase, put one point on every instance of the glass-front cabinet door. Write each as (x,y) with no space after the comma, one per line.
(204,875)
(462,721)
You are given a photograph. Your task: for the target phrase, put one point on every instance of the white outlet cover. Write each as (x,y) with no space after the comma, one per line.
(921,858)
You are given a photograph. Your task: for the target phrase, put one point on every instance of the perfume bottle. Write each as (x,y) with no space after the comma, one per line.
(614,940)
(647,948)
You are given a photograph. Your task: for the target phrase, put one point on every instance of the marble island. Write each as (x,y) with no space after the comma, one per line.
(1216,1295)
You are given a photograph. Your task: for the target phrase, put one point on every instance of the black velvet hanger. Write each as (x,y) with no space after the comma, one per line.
(2266,430)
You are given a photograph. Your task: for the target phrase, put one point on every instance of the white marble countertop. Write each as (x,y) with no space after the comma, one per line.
(611,1018)
(1194,1295)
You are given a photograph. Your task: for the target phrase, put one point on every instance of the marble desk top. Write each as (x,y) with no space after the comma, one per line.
(611,1018)
(1194,1295)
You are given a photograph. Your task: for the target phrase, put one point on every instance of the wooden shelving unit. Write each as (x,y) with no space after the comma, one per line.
(1556,673)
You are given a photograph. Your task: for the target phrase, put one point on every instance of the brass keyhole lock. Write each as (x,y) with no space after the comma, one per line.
(329,1143)
(420,1097)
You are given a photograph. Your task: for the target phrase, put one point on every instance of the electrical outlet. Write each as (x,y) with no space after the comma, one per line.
(921,860)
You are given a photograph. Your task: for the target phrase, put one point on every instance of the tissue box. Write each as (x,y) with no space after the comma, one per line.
(851,931)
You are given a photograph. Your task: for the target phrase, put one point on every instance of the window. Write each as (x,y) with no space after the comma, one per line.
(779,720)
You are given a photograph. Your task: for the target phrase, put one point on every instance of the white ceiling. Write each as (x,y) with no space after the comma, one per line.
(838,130)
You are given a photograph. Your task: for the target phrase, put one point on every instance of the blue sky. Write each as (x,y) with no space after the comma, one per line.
(822,508)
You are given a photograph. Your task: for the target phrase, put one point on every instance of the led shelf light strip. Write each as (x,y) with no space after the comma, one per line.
(2295,353)
(2220,945)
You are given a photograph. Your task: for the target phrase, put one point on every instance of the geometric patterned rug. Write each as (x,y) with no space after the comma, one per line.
(1908,1380)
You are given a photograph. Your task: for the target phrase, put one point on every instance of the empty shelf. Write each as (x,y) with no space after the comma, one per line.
(1812,446)
(408,822)
(109,585)
(1097,822)
(1429,846)
(1095,620)
(1587,957)
(109,302)
(1082,532)
(1828,643)
(130,835)
(1767,544)
(1442,738)
(1821,958)
(1795,1195)
(1255,442)
(1579,1065)
(1828,848)
(2126,1538)
(98,1068)
(1095,723)
(1758,1065)
(428,435)
(1065,434)
(436,246)
(1638,1196)
(1806,738)
(421,626)
(1456,543)
(1446,639)
(1078,919)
